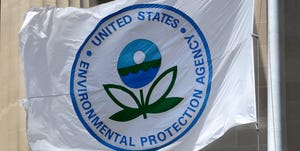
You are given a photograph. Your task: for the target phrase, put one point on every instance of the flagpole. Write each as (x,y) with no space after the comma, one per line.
(276,77)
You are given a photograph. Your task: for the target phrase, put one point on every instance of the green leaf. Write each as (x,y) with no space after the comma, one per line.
(172,71)
(108,87)
(126,115)
(163,105)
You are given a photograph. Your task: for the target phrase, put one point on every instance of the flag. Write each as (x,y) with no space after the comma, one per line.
(137,75)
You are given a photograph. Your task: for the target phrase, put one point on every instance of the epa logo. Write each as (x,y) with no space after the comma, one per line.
(138,65)
(142,78)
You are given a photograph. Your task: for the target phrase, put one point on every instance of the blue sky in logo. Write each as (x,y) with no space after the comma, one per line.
(146,46)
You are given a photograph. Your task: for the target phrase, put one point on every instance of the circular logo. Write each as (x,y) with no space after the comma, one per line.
(141,79)
(136,71)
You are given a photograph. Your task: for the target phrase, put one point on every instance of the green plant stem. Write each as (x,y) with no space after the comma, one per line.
(143,104)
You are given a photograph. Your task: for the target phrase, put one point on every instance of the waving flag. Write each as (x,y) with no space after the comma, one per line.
(137,75)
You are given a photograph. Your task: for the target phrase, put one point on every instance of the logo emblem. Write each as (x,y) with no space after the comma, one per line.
(136,73)
(141,79)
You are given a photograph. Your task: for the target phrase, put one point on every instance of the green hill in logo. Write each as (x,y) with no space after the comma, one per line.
(145,66)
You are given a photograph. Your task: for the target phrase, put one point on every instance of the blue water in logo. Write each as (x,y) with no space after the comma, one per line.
(140,79)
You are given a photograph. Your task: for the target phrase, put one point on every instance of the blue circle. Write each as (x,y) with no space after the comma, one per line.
(183,30)
(139,75)
(209,61)
(89,53)
(146,46)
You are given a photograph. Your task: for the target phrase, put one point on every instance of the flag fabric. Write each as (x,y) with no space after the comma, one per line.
(137,74)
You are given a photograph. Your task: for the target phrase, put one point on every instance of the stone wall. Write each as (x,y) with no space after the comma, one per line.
(292,69)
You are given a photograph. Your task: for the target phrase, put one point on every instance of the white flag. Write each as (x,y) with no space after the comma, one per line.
(137,74)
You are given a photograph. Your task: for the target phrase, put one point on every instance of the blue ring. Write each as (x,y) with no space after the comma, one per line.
(209,61)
